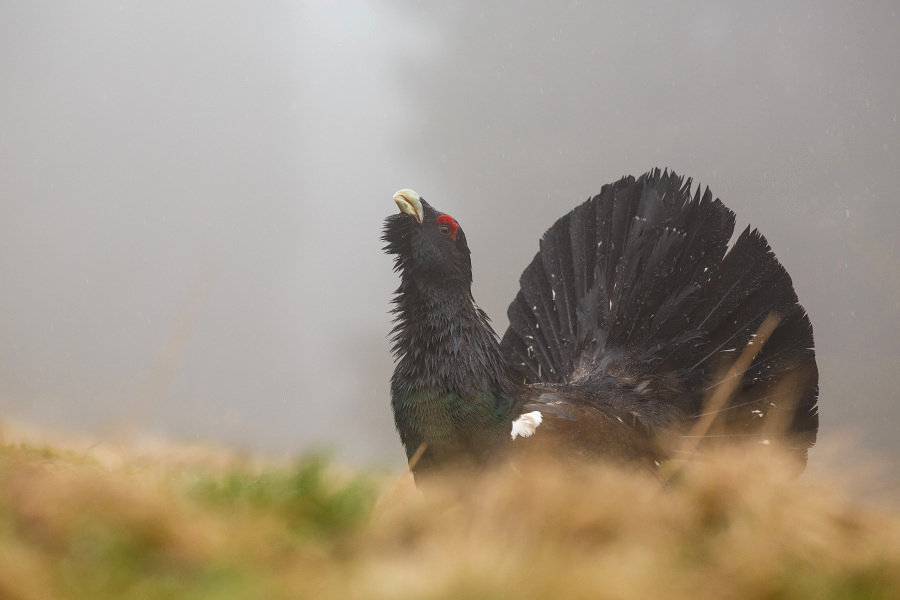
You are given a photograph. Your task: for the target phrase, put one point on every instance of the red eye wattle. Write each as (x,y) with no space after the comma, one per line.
(448,222)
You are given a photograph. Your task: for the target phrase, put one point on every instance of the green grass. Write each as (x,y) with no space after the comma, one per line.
(186,523)
(301,496)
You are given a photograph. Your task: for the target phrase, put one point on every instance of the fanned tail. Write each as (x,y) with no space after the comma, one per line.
(638,284)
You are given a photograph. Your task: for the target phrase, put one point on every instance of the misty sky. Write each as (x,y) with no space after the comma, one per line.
(191,193)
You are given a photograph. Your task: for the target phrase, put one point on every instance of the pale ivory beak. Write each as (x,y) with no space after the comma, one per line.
(409,203)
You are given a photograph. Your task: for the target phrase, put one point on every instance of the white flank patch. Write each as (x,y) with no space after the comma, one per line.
(526,424)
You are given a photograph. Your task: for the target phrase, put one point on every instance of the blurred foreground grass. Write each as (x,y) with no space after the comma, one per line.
(188,523)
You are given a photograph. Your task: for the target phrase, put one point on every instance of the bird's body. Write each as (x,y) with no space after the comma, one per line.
(621,336)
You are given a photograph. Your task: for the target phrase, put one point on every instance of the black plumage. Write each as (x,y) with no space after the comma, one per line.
(625,326)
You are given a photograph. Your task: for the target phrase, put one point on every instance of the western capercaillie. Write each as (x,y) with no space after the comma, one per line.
(637,335)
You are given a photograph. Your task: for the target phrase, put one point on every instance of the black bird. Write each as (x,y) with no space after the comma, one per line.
(637,335)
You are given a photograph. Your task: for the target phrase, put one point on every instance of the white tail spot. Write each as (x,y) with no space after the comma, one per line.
(526,424)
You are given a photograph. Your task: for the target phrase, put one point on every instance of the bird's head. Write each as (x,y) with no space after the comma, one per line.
(428,245)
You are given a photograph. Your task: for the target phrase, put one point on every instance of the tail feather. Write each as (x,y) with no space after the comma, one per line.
(638,282)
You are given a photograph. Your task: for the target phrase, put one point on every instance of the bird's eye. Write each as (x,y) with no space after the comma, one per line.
(447,226)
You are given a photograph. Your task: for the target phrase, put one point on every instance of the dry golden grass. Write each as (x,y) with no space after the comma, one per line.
(184,523)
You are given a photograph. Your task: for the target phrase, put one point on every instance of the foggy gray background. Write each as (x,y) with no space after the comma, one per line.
(191,194)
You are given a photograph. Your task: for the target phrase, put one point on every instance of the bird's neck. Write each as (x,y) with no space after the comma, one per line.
(451,388)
